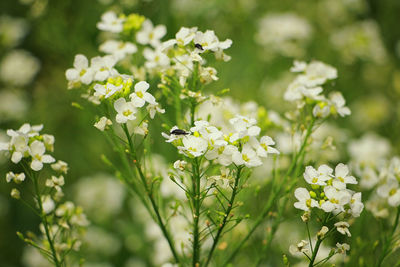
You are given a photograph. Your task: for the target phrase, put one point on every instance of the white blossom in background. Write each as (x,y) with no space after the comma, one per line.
(284,33)
(12,30)
(18,68)
(149,34)
(13,105)
(110,22)
(118,49)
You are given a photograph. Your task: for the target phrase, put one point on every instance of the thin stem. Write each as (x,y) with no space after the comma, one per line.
(45,223)
(228,211)
(150,195)
(196,212)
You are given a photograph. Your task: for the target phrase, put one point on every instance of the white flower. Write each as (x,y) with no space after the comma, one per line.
(208,40)
(342,177)
(16,177)
(391,191)
(305,202)
(180,165)
(18,68)
(60,166)
(55,182)
(126,110)
(142,129)
(265,147)
(47,204)
(338,104)
(153,108)
(298,66)
(15,193)
(103,67)
(342,248)
(247,156)
(185,35)
(118,49)
(317,73)
(223,180)
(149,34)
(314,177)
(195,146)
(140,96)
(208,75)
(80,72)
(155,59)
(343,228)
(106,90)
(37,150)
(336,199)
(300,248)
(102,123)
(356,206)
(110,22)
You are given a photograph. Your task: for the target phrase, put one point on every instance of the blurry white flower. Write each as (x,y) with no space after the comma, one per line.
(15,193)
(153,108)
(185,35)
(285,33)
(149,34)
(118,49)
(47,204)
(247,157)
(390,190)
(342,248)
(356,206)
(110,22)
(18,68)
(12,30)
(301,247)
(338,104)
(102,123)
(15,177)
(103,67)
(343,228)
(60,166)
(106,90)
(155,59)
(13,105)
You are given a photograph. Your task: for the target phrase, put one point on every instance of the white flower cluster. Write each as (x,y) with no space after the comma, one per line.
(307,88)
(241,147)
(27,143)
(329,191)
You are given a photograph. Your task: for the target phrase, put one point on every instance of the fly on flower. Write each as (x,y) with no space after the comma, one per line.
(198,46)
(178,132)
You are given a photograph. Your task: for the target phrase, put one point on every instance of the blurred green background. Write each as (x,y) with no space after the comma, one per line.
(368,67)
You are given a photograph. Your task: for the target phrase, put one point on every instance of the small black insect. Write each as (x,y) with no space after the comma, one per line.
(198,46)
(178,132)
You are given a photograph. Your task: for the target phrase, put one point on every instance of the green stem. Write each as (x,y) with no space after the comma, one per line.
(273,196)
(314,255)
(196,213)
(45,223)
(150,195)
(386,247)
(228,211)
